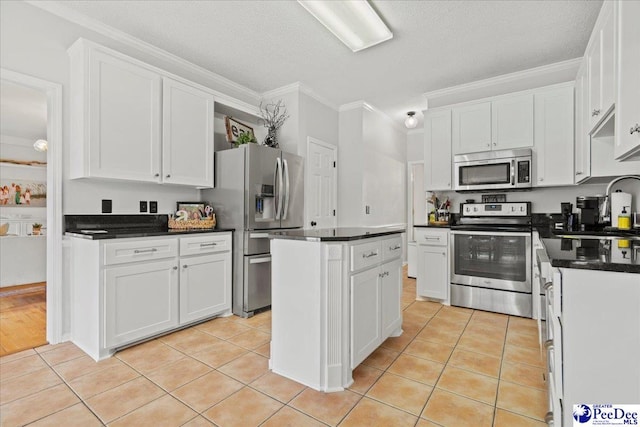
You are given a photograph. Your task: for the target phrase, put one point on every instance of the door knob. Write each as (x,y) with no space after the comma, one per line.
(313,223)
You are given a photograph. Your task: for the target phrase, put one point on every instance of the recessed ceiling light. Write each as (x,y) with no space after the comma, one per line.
(354,22)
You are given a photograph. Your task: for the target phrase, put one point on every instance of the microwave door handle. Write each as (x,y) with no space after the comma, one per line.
(285,167)
(513,172)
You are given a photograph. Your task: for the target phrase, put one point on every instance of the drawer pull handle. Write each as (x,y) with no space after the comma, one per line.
(370,254)
(185,266)
(394,248)
(144,251)
(431,238)
(547,286)
(204,245)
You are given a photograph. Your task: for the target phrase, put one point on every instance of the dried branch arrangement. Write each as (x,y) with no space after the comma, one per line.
(273,114)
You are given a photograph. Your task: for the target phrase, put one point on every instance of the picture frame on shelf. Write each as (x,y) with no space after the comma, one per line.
(195,210)
(235,128)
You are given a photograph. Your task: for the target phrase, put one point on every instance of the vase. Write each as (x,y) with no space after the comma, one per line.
(271,140)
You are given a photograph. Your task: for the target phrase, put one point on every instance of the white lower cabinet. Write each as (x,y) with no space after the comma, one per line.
(433,263)
(375,308)
(127,290)
(365,315)
(140,300)
(202,286)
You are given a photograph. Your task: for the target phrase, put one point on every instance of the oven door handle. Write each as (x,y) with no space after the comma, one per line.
(513,172)
(491,233)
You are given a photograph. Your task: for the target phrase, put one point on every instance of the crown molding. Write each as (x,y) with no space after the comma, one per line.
(518,76)
(302,88)
(64,12)
(366,106)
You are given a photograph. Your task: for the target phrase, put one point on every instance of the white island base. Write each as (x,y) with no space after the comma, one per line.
(333,303)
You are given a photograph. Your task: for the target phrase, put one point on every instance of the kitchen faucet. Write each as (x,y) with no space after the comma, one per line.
(606,205)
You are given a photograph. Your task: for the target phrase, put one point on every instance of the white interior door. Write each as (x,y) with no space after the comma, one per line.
(321,185)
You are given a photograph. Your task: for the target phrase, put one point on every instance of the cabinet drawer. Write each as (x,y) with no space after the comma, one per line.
(365,255)
(206,244)
(432,237)
(130,250)
(391,248)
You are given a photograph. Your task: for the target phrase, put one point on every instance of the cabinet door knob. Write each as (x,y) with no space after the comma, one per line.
(168,176)
(494,144)
(488,145)
(444,254)
(634,129)
(175,267)
(156,175)
(185,266)
(541,179)
(578,173)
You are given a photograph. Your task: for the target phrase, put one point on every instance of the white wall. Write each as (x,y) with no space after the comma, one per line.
(373,154)
(415,145)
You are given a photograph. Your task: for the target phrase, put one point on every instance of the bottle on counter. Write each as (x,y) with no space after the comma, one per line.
(624,219)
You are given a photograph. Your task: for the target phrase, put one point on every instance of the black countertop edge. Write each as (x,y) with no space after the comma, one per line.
(601,266)
(144,233)
(432,226)
(341,234)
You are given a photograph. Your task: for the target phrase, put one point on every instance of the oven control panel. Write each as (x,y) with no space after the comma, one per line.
(495,209)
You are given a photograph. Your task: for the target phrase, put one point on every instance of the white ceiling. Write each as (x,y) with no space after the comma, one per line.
(23,111)
(265,45)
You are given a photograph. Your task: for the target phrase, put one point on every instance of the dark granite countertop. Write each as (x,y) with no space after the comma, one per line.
(605,253)
(432,225)
(341,234)
(131,233)
(117,226)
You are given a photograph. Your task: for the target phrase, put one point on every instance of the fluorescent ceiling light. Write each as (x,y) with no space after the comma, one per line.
(354,22)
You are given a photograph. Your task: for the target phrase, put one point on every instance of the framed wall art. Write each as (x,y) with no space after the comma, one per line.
(235,129)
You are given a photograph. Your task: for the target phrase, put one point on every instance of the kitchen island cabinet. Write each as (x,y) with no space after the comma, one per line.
(336,296)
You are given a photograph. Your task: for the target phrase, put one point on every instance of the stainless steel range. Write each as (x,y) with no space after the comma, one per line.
(491,262)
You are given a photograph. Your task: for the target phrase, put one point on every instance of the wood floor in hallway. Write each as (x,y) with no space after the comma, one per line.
(23,317)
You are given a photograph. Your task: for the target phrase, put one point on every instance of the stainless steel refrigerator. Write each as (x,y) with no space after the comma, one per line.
(258,189)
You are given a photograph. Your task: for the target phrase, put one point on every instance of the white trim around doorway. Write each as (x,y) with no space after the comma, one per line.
(54,197)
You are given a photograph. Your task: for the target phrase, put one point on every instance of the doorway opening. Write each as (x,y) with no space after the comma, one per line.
(30,212)
(321,185)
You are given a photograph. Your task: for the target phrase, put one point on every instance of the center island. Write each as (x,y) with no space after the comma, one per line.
(336,296)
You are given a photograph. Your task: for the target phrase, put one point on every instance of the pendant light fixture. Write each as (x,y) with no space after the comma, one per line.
(411,121)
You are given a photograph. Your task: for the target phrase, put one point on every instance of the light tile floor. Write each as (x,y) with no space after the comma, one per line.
(451,367)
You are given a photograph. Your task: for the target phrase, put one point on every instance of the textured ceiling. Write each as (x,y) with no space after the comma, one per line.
(23,111)
(265,45)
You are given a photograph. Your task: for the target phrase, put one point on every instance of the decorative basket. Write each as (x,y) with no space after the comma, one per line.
(193,223)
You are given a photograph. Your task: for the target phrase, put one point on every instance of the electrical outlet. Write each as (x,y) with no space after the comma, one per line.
(153,206)
(143,206)
(107,206)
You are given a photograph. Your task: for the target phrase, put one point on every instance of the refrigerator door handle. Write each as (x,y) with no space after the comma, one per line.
(286,186)
(278,186)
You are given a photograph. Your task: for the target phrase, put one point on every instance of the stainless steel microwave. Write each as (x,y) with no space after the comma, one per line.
(493,170)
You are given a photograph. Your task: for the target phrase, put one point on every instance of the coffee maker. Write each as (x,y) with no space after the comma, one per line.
(589,212)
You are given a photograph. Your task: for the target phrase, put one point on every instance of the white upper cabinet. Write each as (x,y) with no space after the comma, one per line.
(131,121)
(582,145)
(627,140)
(187,135)
(503,123)
(601,61)
(512,122)
(471,128)
(437,150)
(554,127)
(116,114)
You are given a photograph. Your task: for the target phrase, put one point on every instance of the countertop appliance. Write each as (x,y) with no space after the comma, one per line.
(491,258)
(493,170)
(258,189)
(590,207)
